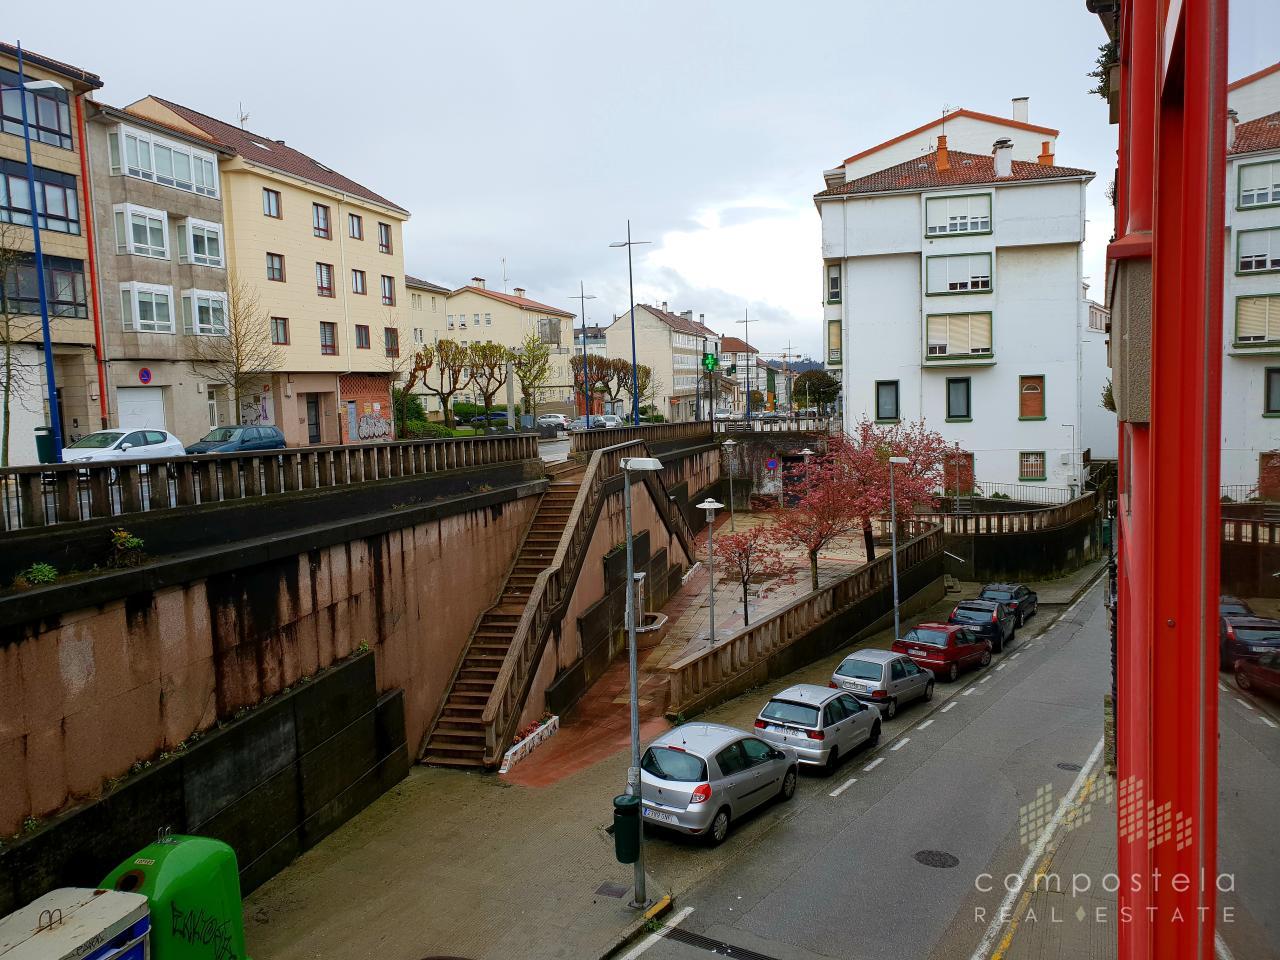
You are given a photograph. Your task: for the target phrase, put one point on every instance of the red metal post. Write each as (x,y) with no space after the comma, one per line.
(86,191)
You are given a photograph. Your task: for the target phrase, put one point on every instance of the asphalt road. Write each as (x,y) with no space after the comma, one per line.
(838,876)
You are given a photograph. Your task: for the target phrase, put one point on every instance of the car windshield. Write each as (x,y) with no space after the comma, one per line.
(997,595)
(1258,634)
(932,638)
(970,615)
(668,763)
(860,669)
(784,711)
(96,441)
(1234,608)
(221,435)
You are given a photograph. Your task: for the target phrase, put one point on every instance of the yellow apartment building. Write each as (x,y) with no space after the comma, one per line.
(323,257)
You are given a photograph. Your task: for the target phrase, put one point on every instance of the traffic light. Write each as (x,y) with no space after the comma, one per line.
(709,362)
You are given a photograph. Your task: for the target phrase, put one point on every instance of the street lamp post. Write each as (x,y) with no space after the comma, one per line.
(582,299)
(730,446)
(711,507)
(631,287)
(893,541)
(634,465)
(51,384)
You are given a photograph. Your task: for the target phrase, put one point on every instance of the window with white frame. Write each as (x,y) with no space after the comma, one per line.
(146,308)
(141,231)
(959,334)
(200,242)
(966,273)
(952,215)
(1259,184)
(204,313)
(1258,251)
(137,153)
(833,283)
(449,318)
(1258,319)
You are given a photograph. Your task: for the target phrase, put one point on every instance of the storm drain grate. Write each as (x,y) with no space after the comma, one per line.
(714,946)
(936,858)
(1069,766)
(608,889)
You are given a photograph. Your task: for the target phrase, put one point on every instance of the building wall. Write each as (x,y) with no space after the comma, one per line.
(653,349)
(963,133)
(366,408)
(1256,99)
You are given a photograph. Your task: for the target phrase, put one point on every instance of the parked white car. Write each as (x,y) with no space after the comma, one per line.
(612,420)
(553,420)
(106,445)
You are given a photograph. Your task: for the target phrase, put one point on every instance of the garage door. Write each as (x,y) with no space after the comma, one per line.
(140,407)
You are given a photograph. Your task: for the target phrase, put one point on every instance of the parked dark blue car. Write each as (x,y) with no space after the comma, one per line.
(238,439)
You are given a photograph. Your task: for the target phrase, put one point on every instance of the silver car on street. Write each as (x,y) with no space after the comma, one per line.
(883,678)
(698,778)
(820,724)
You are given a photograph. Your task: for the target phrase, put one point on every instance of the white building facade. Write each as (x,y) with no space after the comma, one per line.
(672,346)
(953,292)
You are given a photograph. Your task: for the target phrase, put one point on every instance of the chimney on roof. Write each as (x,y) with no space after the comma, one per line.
(282,143)
(944,159)
(688,315)
(1046,154)
(664,306)
(1020,108)
(702,319)
(1002,150)
(518,291)
(1233,118)
(478,282)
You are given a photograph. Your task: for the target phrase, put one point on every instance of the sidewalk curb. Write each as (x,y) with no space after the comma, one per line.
(660,908)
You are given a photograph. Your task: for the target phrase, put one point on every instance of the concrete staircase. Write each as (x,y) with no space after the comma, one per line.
(458,738)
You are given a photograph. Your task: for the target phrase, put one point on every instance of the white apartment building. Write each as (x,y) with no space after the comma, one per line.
(671,345)
(1251,298)
(738,361)
(953,290)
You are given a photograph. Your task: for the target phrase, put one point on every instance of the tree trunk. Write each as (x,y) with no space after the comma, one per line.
(869,538)
(8,390)
(813,567)
(745,619)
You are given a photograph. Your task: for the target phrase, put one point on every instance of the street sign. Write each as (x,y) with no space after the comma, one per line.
(709,362)
(144,375)
(771,463)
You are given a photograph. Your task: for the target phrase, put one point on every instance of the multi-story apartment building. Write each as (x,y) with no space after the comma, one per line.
(426,308)
(952,283)
(594,337)
(161,258)
(55,100)
(321,259)
(475,313)
(672,346)
(1251,301)
(738,361)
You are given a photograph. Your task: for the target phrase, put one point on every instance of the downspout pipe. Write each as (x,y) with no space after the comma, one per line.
(99,349)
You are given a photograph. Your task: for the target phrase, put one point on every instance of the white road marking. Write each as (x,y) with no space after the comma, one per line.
(985,679)
(843,787)
(873,764)
(967,692)
(925,724)
(1220,947)
(1223,687)
(1015,656)
(999,919)
(901,743)
(1247,706)
(949,706)
(653,938)
(1268,721)
(1001,666)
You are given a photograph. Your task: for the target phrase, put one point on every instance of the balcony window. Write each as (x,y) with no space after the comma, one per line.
(200,242)
(324,279)
(141,231)
(328,338)
(48,111)
(887,400)
(952,335)
(204,313)
(950,216)
(1258,251)
(384,237)
(1258,320)
(320,221)
(391,341)
(388,291)
(967,273)
(362,336)
(146,308)
(137,153)
(57,199)
(1259,184)
(63,283)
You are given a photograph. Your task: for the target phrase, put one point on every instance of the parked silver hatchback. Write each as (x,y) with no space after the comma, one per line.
(820,724)
(699,778)
(883,678)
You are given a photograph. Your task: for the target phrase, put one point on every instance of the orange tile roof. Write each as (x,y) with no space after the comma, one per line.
(1258,135)
(679,323)
(965,168)
(736,345)
(971,114)
(523,303)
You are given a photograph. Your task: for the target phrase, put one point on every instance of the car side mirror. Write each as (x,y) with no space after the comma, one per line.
(126,446)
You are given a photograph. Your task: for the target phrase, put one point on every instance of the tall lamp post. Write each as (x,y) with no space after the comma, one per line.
(711,507)
(631,287)
(582,299)
(893,540)
(729,446)
(746,336)
(634,465)
(51,385)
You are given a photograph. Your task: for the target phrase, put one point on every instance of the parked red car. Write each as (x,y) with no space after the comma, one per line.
(1260,674)
(944,648)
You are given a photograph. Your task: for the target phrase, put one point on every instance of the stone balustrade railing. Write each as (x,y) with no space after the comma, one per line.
(585,441)
(1250,531)
(1020,521)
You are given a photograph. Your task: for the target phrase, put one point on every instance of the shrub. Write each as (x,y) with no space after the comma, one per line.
(36,575)
(426,430)
(408,407)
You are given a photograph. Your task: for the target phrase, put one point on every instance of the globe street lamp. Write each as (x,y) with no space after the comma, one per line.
(893,541)
(729,446)
(711,507)
(634,465)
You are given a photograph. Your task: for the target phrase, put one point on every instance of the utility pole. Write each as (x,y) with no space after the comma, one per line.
(631,286)
(746,335)
(582,299)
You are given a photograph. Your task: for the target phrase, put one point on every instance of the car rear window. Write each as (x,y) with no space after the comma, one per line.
(932,638)
(997,595)
(1258,634)
(860,669)
(670,764)
(784,711)
(970,615)
(1234,609)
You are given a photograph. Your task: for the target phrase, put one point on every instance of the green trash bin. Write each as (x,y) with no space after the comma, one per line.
(44,445)
(626,828)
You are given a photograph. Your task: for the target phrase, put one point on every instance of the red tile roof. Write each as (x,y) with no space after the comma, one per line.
(678,323)
(275,155)
(1258,135)
(735,345)
(169,129)
(965,168)
(1243,81)
(52,65)
(971,114)
(524,303)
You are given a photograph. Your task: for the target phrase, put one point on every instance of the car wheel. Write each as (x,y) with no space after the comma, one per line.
(986,658)
(789,784)
(1242,680)
(1018,621)
(875,734)
(891,709)
(719,827)
(833,761)
(953,672)
(998,645)
(928,691)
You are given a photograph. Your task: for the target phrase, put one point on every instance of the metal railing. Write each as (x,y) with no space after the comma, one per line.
(785,425)
(1239,492)
(699,673)
(41,496)
(585,441)
(1023,492)
(1016,521)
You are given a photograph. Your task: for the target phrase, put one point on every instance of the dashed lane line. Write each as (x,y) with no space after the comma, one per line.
(873,764)
(1243,703)
(949,706)
(925,724)
(843,787)
(1269,722)
(900,744)
(967,692)
(985,679)
(1000,666)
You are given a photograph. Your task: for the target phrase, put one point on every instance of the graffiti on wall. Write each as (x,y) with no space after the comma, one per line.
(373,426)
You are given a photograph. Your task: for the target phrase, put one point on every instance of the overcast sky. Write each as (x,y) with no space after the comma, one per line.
(532,131)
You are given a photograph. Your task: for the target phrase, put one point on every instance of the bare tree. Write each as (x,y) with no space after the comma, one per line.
(445,362)
(18,375)
(397,363)
(643,387)
(532,364)
(237,359)
(488,362)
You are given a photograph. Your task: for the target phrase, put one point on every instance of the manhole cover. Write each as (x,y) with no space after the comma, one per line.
(936,858)
(1068,766)
(611,890)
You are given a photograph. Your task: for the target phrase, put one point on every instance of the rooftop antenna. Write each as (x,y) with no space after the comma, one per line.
(504,274)
(244,117)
